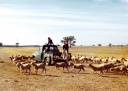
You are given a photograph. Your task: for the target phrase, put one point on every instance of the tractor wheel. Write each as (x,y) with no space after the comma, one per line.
(50,60)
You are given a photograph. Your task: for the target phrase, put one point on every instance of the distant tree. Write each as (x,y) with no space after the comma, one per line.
(110,45)
(99,45)
(71,40)
(1,44)
(17,44)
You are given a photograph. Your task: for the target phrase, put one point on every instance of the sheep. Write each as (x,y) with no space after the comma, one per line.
(57,60)
(26,57)
(120,68)
(108,66)
(82,58)
(95,68)
(101,67)
(24,66)
(78,66)
(11,57)
(113,60)
(15,60)
(125,62)
(18,57)
(97,60)
(18,65)
(39,66)
(75,58)
(104,60)
(89,59)
(62,64)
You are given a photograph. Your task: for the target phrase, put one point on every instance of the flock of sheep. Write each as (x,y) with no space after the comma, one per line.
(99,65)
(102,65)
(24,63)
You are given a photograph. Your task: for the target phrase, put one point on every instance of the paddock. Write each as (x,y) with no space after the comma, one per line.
(58,80)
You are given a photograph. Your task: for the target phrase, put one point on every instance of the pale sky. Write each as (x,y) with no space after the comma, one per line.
(89,21)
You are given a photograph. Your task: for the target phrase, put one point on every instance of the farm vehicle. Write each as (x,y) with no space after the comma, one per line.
(48,53)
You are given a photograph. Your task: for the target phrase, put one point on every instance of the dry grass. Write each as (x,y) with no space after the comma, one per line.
(101,51)
(56,80)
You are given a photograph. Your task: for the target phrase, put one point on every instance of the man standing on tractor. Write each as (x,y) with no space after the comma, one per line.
(50,42)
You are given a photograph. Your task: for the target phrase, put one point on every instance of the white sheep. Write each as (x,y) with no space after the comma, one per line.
(11,57)
(24,66)
(18,65)
(75,58)
(104,60)
(39,66)
(97,60)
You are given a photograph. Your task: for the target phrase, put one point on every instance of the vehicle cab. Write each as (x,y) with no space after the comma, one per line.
(46,52)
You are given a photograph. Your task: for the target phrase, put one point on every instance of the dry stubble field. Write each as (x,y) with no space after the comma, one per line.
(56,80)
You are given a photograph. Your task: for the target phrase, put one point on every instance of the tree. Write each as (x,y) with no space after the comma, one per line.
(110,45)
(1,44)
(70,40)
(17,44)
(99,45)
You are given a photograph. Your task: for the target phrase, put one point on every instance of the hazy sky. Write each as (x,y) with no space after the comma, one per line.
(90,21)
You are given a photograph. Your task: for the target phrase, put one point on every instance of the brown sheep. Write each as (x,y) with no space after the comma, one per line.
(102,67)
(78,66)
(62,64)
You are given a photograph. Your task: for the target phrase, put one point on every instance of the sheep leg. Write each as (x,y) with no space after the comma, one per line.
(29,71)
(101,72)
(36,71)
(67,69)
(63,68)
(73,70)
(94,71)
(42,70)
(45,70)
(20,69)
(79,70)
(57,68)
(83,70)
(23,71)
(26,71)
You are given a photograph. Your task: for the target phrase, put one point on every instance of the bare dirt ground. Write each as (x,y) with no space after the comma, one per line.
(57,80)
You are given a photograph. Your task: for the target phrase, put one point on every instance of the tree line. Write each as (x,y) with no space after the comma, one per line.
(71,40)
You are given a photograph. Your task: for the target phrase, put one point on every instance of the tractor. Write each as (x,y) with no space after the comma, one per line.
(48,52)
